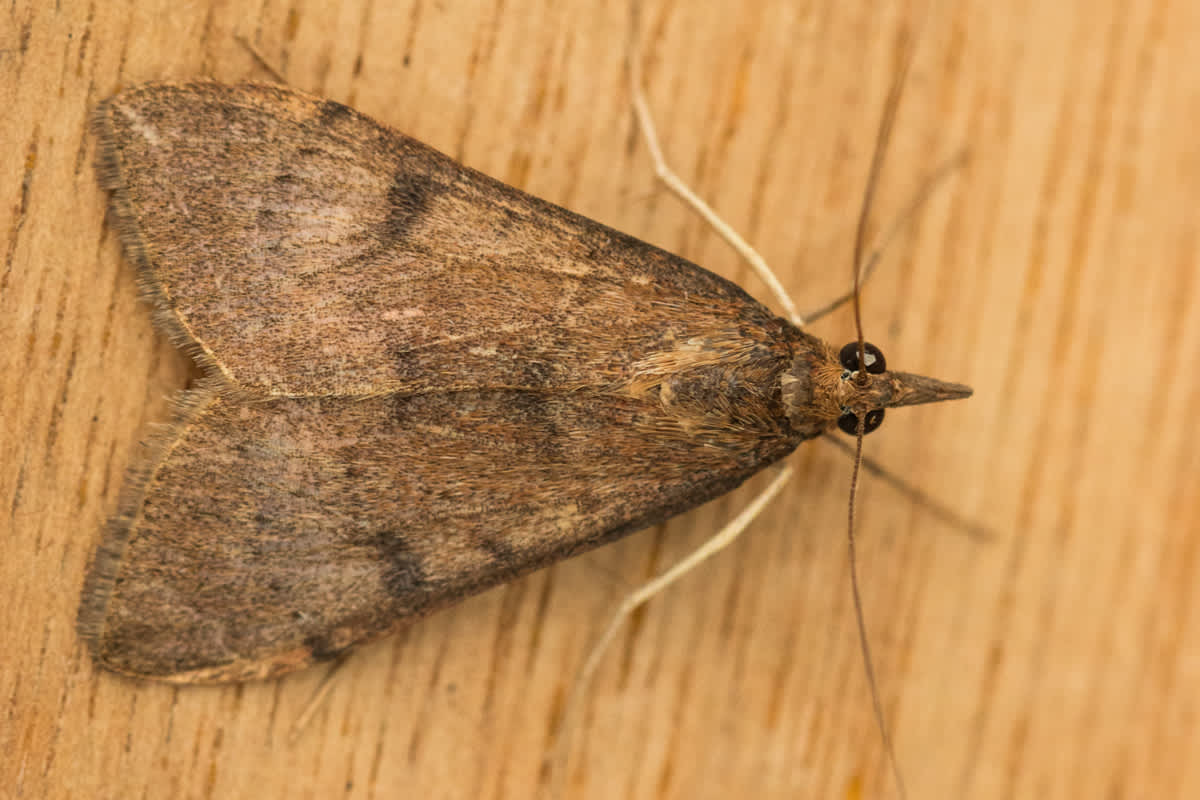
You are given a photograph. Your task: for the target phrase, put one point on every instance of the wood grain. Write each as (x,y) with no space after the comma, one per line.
(1055,273)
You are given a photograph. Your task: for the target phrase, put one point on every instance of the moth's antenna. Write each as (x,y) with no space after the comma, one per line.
(868,663)
(864,214)
(860,245)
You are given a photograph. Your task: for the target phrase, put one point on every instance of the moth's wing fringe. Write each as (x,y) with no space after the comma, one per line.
(110,171)
(106,562)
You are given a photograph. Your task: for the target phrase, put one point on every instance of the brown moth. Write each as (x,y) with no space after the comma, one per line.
(421,382)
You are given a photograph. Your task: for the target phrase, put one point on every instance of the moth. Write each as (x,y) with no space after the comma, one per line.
(419,383)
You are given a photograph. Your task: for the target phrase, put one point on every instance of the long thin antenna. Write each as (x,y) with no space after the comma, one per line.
(868,662)
(860,244)
(881,144)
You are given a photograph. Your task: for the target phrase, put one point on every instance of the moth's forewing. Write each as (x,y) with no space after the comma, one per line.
(300,248)
(272,533)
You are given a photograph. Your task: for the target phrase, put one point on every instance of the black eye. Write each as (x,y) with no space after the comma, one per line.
(875,361)
(848,422)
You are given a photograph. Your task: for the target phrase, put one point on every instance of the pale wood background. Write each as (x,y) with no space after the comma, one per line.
(1057,273)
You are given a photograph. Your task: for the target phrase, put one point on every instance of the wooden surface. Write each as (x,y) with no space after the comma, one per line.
(1057,273)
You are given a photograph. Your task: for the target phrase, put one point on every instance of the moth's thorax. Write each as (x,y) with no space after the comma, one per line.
(808,388)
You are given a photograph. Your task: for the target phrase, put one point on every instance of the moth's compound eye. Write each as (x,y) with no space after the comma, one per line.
(876,364)
(848,422)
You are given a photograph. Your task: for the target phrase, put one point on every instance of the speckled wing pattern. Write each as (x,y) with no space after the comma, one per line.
(421,383)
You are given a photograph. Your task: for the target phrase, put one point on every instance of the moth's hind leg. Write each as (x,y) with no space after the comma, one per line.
(639,597)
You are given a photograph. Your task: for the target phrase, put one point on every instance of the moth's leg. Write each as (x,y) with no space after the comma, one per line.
(261,60)
(901,223)
(639,596)
(319,695)
(938,510)
(673,182)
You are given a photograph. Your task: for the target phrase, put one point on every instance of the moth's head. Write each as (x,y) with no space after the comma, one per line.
(827,388)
